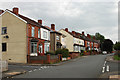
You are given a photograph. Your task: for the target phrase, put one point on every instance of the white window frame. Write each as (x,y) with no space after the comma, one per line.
(39,33)
(33,31)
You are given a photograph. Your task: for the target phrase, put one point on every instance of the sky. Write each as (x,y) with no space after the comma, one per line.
(78,15)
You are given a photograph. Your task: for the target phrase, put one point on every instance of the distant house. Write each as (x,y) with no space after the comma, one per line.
(22,37)
(56,39)
(73,41)
(90,43)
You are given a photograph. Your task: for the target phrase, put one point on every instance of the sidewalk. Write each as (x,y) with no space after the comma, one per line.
(20,70)
(115,75)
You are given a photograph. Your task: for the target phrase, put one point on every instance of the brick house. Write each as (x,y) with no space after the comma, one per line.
(22,37)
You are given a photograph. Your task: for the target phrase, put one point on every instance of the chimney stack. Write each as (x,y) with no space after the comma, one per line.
(40,21)
(73,32)
(15,10)
(53,26)
(66,29)
(93,37)
(1,11)
(83,33)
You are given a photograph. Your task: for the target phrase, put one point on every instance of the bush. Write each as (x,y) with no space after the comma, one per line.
(50,52)
(82,54)
(64,52)
(58,51)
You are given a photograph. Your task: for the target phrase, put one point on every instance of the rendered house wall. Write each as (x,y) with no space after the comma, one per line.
(16,43)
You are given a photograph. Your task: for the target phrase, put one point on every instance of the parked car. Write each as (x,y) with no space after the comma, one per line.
(104,52)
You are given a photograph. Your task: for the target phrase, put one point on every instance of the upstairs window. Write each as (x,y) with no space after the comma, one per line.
(4,30)
(38,33)
(57,37)
(4,47)
(44,34)
(33,31)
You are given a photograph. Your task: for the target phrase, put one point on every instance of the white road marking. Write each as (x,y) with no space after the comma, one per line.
(39,69)
(103,70)
(35,69)
(30,71)
(107,68)
(104,63)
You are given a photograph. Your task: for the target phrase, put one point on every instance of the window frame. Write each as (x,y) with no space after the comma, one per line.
(3,29)
(4,49)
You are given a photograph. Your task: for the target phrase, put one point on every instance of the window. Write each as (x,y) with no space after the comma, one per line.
(40,48)
(46,47)
(38,33)
(44,34)
(33,47)
(4,30)
(33,30)
(57,38)
(4,47)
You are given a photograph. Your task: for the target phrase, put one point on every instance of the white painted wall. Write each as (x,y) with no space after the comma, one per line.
(78,41)
(48,34)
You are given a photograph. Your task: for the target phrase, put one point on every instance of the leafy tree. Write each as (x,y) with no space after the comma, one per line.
(100,37)
(107,45)
(117,46)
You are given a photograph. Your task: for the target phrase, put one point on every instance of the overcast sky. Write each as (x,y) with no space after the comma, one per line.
(90,17)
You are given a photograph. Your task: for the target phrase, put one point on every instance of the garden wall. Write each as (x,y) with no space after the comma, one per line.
(45,59)
(74,54)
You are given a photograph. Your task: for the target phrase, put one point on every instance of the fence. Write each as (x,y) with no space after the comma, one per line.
(3,66)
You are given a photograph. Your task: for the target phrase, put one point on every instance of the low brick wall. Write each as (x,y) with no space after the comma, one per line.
(45,59)
(74,54)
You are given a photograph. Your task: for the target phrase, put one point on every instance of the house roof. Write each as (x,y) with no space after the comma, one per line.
(28,20)
(53,31)
(80,36)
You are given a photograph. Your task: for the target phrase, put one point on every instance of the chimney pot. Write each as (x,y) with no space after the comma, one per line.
(82,33)
(1,11)
(15,10)
(66,29)
(53,26)
(40,21)
(73,32)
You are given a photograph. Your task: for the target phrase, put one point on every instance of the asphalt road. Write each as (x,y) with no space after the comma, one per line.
(84,67)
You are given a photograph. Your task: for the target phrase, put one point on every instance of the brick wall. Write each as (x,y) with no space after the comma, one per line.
(74,54)
(45,59)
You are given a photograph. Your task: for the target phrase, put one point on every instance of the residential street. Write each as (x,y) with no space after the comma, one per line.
(84,67)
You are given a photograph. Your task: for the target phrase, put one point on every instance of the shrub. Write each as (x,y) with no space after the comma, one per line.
(64,52)
(50,52)
(82,54)
(58,51)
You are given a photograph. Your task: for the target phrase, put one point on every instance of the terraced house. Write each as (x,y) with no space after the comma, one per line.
(77,42)
(22,37)
(73,41)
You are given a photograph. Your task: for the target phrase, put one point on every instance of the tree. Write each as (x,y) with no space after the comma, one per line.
(100,37)
(117,46)
(107,45)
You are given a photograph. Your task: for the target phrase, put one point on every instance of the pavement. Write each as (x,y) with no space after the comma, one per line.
(113,73)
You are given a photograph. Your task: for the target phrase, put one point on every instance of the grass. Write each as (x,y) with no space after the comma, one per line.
(116,57)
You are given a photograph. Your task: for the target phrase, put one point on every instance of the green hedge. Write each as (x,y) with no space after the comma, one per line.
(50,52)
(64,52)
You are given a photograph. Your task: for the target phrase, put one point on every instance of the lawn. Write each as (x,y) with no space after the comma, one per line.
(116,57)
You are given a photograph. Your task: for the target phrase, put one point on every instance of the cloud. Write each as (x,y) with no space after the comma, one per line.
(91,17)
